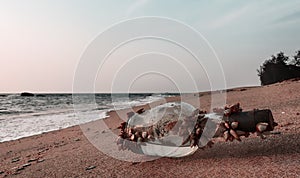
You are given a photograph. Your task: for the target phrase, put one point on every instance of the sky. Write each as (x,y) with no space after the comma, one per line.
(43,42)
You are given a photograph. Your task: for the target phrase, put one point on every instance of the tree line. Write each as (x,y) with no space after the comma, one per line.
(279,68)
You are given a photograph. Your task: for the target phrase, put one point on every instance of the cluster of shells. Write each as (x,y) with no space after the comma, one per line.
(168,125)
(231,129)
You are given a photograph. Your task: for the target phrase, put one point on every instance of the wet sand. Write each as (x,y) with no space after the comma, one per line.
(68,153)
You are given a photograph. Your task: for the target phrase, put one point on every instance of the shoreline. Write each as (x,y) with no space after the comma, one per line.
(167,99)
(68,153)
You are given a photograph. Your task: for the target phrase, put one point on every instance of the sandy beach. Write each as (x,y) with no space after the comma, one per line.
(68,153)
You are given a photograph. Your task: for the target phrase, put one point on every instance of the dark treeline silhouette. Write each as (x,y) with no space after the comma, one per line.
(279,68)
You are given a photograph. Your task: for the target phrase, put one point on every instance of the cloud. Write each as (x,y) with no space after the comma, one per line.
(291,17)
(136,5)
(229,18)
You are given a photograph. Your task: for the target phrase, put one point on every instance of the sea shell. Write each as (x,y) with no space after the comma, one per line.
(150,137)
(227,125)
(262,126)
(234,125)
(226,135)
(242,133)
(198,131)
(234,134)
(231,138)
(144,135)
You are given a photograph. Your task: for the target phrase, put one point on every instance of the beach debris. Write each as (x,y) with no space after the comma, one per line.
(233,123)
(15,173)
(77,139)
(17,169)
(43,149)
(26,165)
(194,137)
(1,172)
(90,168)
(238,123)
(20,168)
(32,160)
(15,159)
(40,160)
(275,132)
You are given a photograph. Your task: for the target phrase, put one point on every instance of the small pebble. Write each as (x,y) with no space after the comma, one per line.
(14,168)
(32,160)
(15,160)
(1,172)
(90,168)
(276,132)
(40,160)
(20,168)
(26,165)
(77,139)
(297,114)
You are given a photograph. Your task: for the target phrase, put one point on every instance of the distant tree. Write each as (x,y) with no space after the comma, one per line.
(296,60)
(277,69)
(280,59)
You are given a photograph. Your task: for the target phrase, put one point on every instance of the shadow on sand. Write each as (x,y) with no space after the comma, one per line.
(251,147)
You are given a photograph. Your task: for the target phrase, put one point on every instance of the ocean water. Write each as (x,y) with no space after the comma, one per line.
(26,116)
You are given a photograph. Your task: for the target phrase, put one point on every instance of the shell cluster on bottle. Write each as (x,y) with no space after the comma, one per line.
(190,128)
